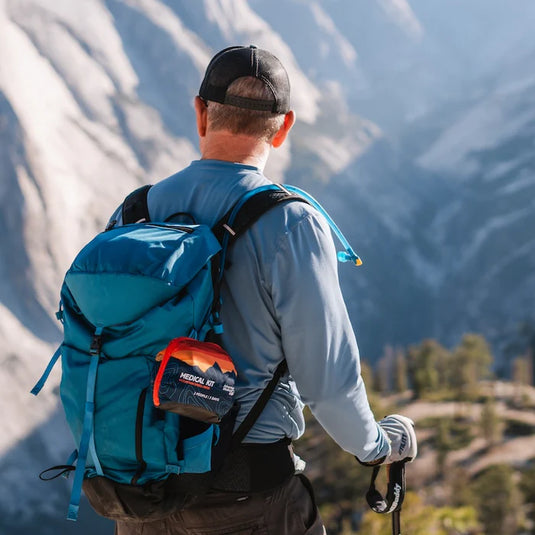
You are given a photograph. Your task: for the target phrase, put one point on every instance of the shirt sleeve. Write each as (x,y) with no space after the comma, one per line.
(318,339)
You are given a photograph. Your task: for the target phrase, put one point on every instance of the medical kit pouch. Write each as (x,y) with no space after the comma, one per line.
(194,379)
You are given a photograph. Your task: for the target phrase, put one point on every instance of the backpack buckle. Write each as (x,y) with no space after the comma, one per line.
(59,313)
(96,345)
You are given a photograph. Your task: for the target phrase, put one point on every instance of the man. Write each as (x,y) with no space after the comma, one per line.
(281,300)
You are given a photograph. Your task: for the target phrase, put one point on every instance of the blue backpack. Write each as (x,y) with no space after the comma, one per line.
(135,297)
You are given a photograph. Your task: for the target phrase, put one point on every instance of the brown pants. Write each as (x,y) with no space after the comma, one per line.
(287,510)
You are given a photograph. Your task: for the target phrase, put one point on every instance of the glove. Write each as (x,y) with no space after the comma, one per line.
(400,432)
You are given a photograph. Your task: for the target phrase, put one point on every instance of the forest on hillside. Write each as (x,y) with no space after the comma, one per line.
(475,471)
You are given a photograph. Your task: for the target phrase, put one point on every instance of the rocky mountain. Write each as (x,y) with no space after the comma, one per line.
(487,230)
(415,129)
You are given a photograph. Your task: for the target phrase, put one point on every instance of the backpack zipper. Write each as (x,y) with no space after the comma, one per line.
(139,436)
(177,228)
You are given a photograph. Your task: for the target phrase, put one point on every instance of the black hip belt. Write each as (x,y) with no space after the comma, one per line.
(256,467)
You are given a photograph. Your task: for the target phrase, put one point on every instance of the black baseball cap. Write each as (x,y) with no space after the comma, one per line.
(239,61)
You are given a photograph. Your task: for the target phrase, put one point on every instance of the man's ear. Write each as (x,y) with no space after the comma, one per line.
(280,136)
(201,113)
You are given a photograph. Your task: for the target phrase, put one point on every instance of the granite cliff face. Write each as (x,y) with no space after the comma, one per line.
(416,127)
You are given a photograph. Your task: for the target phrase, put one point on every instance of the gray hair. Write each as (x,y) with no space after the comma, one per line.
(261,124)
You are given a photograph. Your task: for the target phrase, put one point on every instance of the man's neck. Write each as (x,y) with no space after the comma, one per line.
(234,148)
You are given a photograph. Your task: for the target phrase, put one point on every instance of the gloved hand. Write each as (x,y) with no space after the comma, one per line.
(400,431)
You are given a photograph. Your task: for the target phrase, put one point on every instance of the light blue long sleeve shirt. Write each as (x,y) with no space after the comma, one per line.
(281,300)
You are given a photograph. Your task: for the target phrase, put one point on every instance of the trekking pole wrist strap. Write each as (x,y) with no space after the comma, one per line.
(395,494)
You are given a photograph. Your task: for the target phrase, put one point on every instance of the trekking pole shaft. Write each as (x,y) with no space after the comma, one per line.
(396,523)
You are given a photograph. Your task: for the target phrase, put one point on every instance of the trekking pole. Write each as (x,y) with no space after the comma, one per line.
(395,495)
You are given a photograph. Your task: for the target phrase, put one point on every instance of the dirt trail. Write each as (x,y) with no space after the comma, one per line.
(477,455)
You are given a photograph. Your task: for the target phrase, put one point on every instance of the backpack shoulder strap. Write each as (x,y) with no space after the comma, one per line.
(135,209)
(250,208)
(259,405)
(246,211)
(229,228)
(258,202)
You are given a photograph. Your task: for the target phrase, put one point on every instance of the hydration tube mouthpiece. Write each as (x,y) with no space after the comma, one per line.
(345,256)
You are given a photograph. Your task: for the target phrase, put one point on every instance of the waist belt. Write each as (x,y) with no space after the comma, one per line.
(256,467)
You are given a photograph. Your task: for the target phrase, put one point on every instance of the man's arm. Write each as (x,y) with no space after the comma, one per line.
(318,340)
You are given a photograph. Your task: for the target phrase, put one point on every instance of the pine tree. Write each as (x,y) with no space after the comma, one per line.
(521,370)
(443,443)
(459,489)
(471,360)
(425,361)
(521,376)
(490,423)
(499,501)
(527,487)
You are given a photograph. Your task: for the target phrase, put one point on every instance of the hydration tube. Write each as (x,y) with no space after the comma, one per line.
(349,254)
